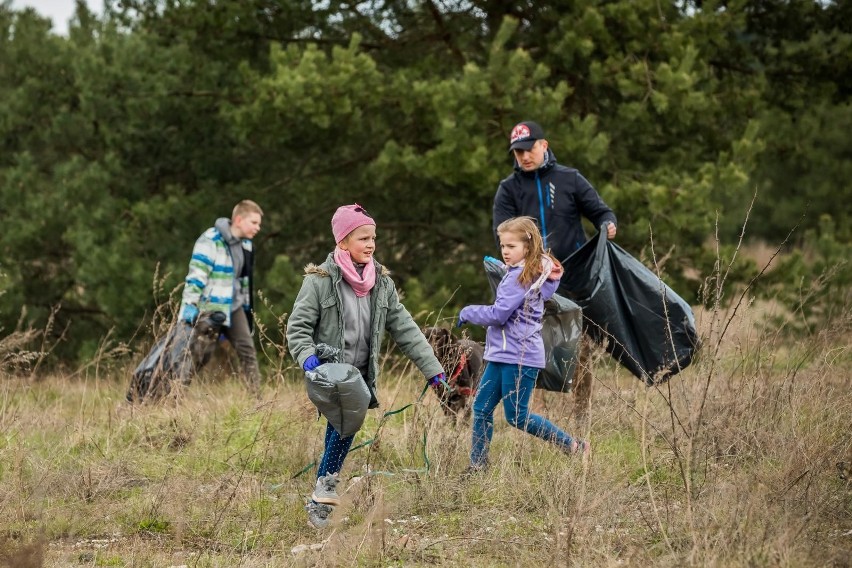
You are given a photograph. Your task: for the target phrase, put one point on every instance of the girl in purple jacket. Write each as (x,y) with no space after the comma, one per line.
(514,348)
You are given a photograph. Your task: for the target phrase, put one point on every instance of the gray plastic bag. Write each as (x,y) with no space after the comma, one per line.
(561,329)
(338,391)
(176,357)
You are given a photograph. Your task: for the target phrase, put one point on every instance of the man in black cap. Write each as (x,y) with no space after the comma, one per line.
(556,196)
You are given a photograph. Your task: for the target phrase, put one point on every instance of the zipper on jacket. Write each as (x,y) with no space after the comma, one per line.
(335,285)
(503,333)
(541,211)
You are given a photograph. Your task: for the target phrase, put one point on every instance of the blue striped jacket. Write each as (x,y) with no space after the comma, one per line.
(209,284)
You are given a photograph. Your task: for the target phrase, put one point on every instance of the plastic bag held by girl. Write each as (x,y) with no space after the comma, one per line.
(338,391)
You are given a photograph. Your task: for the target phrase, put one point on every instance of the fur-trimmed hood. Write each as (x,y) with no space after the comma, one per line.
(316,318)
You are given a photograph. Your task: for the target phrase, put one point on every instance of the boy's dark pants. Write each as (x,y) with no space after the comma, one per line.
(240,337)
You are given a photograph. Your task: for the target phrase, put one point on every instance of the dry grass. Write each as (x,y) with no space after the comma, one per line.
(729,464)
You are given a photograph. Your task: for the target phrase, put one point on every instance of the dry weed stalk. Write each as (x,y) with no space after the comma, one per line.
(108,352)
(26,555)
(274,348)
(16,355)
(712,422)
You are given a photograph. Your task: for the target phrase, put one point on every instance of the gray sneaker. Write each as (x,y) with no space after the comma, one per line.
(326,490)
(579,447)
(473,470)
(319,514)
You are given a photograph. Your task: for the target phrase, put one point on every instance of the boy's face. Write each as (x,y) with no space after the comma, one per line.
(361,243)
(530,160)
(512,248)
(246,226)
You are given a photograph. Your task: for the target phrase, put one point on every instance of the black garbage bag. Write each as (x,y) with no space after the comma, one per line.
(338,391)
(176,357)
(561,328)
(649,328)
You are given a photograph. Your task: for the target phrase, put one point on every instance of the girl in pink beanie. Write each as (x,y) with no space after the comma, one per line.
(354,256)
(348,302)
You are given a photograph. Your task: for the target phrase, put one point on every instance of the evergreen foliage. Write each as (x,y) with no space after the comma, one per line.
(122,142)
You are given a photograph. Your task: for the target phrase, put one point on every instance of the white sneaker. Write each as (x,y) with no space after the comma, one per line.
(326,490)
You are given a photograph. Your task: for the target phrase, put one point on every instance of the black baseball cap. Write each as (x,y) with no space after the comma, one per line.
(524,135)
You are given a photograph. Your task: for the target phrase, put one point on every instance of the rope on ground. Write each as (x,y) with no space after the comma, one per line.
(384,418)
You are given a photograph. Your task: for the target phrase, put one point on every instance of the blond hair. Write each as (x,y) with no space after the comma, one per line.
(245,207)
(527,232)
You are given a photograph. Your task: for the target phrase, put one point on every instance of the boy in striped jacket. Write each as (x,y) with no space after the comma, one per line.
(220,279)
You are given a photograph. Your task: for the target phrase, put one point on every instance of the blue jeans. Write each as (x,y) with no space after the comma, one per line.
(513,384)
(336,448)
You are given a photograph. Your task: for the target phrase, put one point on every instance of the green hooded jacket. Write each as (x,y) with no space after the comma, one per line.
(317,318)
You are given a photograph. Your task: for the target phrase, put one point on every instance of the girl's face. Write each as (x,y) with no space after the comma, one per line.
(512,248)
(361,243)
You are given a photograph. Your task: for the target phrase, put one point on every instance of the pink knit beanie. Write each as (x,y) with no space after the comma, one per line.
(347,218)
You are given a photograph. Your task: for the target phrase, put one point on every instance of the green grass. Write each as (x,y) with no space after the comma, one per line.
(207,480)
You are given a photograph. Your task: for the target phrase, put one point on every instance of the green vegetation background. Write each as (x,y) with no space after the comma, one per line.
(122,142)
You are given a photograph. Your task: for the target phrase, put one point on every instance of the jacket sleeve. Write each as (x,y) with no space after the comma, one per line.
(591,204)
(200,267)
(407,335)
(504,208)
(509,297)
(304,318)
(548,289)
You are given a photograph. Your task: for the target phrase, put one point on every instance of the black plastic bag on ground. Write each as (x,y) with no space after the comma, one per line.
(338,391)
(650,329)
(176,357)
(561,328)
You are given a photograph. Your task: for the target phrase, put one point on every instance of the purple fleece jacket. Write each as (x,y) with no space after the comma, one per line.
(513,321)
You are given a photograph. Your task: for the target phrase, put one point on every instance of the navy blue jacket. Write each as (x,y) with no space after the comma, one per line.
(556,196)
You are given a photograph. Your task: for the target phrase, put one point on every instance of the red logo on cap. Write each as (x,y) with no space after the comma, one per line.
(519,132)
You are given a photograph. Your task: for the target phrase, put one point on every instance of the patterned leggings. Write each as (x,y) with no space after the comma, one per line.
(336,448)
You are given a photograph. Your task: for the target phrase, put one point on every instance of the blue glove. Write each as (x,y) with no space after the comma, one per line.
(311,363)
(492,260)
(461,321)
(190,314)
(436,380)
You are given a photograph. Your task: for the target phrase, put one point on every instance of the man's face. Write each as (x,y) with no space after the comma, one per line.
(246,226)
(530,160)
(361,243)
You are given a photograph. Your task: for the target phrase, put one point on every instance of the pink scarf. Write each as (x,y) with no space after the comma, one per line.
(361,284)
